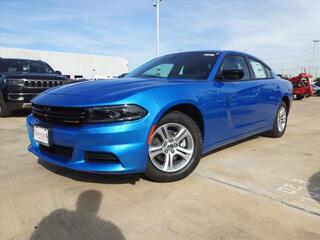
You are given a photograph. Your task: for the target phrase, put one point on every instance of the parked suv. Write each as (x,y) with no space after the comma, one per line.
(23,79)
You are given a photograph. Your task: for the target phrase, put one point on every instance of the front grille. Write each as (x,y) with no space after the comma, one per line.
(59,115)
(41,83)
(100,157)
(57,149)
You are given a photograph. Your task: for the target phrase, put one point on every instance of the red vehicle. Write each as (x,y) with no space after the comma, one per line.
(302,86)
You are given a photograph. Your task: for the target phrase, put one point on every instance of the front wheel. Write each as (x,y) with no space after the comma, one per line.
(175,148)
(280,122)
(4,111)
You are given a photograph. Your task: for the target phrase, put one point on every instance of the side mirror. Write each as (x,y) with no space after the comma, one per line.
(231,74)
(58,72)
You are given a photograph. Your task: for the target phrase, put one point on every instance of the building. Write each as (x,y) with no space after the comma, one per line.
(73,65)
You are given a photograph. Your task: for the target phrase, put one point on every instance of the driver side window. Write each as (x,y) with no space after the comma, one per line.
(236,63)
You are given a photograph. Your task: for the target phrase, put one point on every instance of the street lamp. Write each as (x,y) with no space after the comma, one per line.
(156,4)
(314,58)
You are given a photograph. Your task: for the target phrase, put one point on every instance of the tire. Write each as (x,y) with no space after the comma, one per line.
(280,122)
(176,137)
(299,97)
(4,111)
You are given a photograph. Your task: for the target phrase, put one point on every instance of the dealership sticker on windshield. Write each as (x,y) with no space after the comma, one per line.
(41,135)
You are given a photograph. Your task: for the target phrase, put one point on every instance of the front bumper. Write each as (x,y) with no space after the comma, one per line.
(21,97)
(127,141)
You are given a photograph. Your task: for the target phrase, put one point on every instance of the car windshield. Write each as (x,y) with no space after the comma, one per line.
(29,66)
(195,65)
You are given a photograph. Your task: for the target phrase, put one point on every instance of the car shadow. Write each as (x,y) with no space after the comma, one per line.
(91,177)
(230,145)
(81,224)
(314,186)
(117,179)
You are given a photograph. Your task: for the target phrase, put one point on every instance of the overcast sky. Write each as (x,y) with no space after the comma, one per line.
(277,31)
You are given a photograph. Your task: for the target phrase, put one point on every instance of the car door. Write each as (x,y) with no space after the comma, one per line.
(241,97)
(270,93)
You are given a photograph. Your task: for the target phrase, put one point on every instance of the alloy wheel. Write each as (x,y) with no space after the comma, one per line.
(171,147)
(282,119)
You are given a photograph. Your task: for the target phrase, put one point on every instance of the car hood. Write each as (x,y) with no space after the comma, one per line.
(22,75)
(111,87)
(100,91)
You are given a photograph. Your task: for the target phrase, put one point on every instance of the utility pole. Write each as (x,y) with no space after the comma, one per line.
(314,58)
(156,4)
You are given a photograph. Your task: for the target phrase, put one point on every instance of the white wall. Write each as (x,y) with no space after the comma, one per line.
(89,66)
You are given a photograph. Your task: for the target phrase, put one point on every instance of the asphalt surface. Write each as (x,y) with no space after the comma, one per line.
(260,188)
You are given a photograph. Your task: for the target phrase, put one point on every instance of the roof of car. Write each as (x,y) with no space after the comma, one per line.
(218,51)
(224,52)
(23,59)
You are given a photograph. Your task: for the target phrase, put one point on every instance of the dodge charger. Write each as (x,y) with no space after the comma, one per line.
(160,118)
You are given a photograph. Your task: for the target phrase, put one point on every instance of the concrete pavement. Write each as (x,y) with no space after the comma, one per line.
(260,188)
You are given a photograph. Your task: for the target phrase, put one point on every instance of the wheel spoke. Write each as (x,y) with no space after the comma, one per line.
(164,129)
(163,132)
(181,135)
(162,136)
(155,148)
(168,163)
(155,151)
(184,153)
(184,150)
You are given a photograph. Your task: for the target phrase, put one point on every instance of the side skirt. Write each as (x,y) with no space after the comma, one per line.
(207,149)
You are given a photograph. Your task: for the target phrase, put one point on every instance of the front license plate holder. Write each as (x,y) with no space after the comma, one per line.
(42,135)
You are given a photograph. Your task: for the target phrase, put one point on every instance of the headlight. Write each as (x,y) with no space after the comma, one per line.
(14,81)
(116,113)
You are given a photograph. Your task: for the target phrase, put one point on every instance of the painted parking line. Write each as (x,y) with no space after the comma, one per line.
(297,189)
(293,193)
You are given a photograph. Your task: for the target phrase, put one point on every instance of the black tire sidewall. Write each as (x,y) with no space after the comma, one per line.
(155,174)
(4,112)
(300,97)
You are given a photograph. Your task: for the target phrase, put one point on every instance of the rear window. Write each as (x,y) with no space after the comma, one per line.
(258,68)
(269,72)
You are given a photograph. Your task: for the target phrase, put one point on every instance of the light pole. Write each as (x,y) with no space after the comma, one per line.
(314,58)
(156,4)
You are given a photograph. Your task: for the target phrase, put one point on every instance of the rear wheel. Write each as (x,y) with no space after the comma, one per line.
(175,148)
(280,122)
(4,112)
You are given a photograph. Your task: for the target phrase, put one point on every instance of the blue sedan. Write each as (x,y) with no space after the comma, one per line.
(162,117)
